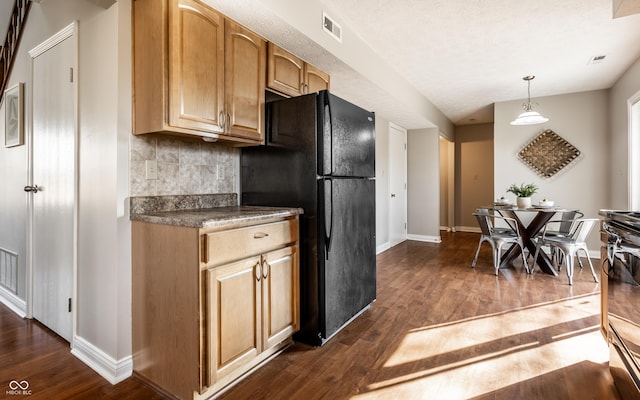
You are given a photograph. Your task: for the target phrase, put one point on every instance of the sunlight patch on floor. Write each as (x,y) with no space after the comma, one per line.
(470,378)
(481,368)
(474,331)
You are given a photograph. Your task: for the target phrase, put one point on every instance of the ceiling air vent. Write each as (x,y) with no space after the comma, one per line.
(331,27)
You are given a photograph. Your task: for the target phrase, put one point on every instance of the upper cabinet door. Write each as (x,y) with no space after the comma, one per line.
(285,72)
(196,67)
(316,80)
(245,63)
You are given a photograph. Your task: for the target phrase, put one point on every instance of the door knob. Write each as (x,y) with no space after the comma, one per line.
(33,188)
(392,194)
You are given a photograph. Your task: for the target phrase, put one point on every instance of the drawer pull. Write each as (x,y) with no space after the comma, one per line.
(260,235)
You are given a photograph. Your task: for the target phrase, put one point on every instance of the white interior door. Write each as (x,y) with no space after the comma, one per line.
(397,184)
(53,185)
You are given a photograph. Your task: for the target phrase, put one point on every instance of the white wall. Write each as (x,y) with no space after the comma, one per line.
(581,119)
(423,184)
(13,213)
(617,184)
(382,184)
(104,255)
(103,336)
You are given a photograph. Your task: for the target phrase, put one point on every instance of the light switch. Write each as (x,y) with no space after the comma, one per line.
(151,169)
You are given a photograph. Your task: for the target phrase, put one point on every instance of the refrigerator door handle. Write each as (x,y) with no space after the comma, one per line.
(327,110)
(327,230)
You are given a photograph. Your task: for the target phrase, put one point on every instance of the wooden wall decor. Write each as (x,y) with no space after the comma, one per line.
(548,153)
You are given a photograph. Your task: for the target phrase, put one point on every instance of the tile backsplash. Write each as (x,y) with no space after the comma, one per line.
(184,166)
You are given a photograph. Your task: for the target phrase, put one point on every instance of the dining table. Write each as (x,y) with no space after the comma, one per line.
(538,217)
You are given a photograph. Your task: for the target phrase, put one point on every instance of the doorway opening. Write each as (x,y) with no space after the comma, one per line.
(634,152)
(447,205)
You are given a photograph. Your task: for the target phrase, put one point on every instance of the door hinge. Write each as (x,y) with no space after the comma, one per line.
(69,304)
(71,74)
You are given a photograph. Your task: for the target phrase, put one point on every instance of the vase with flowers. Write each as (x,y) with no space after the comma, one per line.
(524,193)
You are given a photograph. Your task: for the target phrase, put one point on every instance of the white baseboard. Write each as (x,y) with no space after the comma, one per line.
(425,238)
(13,302)
(472,229)
(383,247)
(109,368)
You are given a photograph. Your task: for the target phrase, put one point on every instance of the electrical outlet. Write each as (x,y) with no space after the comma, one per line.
(220,171)
(151,169)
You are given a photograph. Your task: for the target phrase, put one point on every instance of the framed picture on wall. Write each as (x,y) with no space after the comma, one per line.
(14,115)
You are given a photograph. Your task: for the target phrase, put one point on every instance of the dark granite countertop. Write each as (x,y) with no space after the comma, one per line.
(218,217)
(203,211)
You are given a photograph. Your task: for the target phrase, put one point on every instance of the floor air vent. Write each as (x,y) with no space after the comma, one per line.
(9,270)
(331,27)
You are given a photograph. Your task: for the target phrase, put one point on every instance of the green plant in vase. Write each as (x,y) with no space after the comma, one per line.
(524,193)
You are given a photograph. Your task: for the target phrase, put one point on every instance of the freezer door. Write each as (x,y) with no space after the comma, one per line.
(347,144)
(346,250)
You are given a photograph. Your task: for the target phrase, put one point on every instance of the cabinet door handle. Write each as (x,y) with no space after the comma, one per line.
(260,235)
(267,267)
(222,120)
(258,273)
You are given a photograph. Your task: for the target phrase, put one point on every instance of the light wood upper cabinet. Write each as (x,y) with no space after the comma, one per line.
(316,79)
(196,67)
(196,73)
(285,72)
(290,75)
(246,66)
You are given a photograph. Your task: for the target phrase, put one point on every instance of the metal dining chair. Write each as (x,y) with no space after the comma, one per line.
(569,244)
(497,236)
(562,228)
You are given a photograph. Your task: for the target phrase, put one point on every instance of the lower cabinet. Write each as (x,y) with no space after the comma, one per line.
(208,305)
(251,308)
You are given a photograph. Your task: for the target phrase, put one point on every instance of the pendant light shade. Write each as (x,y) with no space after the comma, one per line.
(529,117)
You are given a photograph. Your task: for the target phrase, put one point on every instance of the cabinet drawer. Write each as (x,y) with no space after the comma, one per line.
(226,246)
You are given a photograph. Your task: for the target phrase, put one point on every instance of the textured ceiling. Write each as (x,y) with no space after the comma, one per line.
(462,55)
(466,55)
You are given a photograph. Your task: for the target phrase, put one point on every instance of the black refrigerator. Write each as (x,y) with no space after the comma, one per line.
(320,155)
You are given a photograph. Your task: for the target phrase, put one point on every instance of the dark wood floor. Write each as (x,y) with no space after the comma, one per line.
(439,329)
(32,353)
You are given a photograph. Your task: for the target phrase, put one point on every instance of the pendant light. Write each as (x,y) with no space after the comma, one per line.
(529,117)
